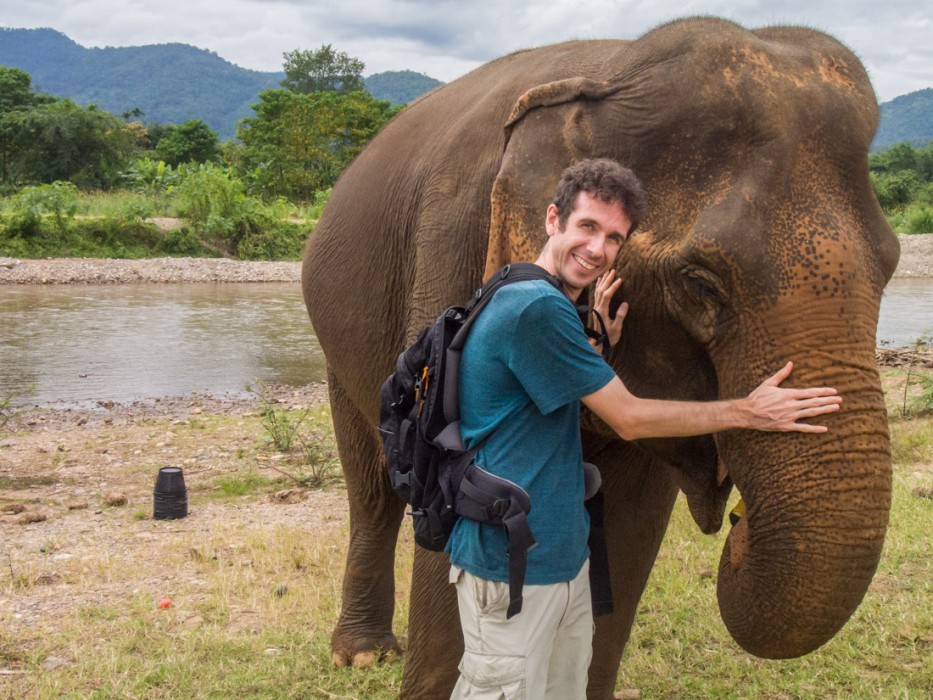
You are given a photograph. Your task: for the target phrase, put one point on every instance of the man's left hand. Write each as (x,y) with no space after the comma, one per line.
(606,286)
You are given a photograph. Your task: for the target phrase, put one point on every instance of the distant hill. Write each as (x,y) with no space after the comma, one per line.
(906,118)
(400,87)
(170,83)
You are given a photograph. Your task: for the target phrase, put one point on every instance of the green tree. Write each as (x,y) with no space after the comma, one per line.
(323,70)
(15,90)
(63,141)
(44,139)
(894,190)
(189,142)
(297,144)
(903,156)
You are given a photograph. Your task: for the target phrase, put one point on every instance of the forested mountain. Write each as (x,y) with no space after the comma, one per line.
(169,83)
(400,87)
(906,118)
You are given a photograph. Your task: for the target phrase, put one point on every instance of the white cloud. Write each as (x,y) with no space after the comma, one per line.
(446,38)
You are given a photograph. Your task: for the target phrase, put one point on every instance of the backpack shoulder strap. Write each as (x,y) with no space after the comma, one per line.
(514,272)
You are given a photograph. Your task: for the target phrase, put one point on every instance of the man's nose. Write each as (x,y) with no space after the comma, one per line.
(596,245)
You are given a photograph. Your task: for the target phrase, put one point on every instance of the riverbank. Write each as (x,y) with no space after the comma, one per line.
(148,270)
(916,261)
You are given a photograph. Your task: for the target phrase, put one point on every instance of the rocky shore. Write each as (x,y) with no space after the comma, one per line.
(916,261)
(150,270)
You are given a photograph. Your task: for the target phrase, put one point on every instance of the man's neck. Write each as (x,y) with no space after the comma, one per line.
(544,261)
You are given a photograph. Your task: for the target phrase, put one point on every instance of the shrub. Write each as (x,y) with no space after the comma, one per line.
(58,200)
(183,241)
(919,220)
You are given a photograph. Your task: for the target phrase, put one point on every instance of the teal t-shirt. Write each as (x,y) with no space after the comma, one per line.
(524,368)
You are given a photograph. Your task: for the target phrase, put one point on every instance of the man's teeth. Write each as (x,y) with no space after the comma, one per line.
(584,263)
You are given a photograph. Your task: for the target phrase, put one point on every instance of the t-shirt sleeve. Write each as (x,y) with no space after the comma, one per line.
(551,356)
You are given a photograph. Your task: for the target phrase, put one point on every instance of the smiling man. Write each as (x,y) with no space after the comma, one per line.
(525,368)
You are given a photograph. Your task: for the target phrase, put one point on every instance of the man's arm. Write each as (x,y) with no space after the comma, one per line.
(769,407)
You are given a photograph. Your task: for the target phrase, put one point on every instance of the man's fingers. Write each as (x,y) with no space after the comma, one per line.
(779,376)
(807,428)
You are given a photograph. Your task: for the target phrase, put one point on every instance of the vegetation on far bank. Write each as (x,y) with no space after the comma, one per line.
(80,181)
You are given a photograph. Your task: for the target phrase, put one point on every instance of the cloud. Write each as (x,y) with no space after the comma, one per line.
(446,38)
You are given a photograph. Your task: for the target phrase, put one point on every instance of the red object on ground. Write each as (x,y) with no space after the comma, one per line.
(165,603)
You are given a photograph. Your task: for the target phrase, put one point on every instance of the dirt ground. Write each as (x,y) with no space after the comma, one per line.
(76,492)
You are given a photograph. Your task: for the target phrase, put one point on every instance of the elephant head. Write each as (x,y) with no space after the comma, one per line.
(764,243)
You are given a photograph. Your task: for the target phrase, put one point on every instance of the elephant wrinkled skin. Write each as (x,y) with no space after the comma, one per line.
(763,243)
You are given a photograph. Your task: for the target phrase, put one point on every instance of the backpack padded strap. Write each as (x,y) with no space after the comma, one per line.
(490,499)
(521,542)
(600,584)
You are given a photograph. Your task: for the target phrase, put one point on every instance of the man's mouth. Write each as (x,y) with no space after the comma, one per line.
(584,264)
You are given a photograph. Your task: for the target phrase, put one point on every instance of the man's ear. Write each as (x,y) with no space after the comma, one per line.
(552,220)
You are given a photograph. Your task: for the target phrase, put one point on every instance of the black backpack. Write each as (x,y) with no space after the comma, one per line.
(428,466)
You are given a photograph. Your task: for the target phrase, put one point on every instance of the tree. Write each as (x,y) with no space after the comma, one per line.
(894,190)
(59,140)
(15,90)
(297,144)
(323,70)
(191,141)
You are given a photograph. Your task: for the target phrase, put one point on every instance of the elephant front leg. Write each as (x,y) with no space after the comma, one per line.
(639,496)
(364,630)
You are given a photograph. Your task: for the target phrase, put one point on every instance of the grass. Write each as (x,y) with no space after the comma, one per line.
(253,605)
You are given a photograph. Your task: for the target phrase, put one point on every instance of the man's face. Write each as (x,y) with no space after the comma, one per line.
(588,243)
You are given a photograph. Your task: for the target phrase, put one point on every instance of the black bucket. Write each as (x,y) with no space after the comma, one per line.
(170,497)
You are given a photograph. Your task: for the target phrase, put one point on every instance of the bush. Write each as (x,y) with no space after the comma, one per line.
(183,241)
(58,200)
(919,220)
(276,242)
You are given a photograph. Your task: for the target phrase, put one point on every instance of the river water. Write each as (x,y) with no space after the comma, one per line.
(73,345)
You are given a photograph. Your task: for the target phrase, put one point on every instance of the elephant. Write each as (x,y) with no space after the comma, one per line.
(763,243)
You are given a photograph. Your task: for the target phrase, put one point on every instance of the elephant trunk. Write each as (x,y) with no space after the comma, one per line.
(797,565)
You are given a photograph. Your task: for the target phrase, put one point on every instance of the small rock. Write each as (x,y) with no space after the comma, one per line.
(53,663)
(923,492)
(114,499)
(78,505)
(627,694)
(197,411)
(32,516)
(13,508)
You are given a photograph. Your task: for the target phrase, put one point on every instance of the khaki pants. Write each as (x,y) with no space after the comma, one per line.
(543,652)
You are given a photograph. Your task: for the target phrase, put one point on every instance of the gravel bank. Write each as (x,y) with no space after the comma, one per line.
(916,261)
(100,271)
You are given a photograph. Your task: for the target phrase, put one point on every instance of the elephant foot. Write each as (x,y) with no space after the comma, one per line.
(361,653)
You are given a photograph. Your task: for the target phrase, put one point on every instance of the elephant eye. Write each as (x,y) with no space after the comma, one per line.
(701,285)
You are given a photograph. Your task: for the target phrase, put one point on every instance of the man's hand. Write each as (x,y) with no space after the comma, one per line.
(772,408)
(607,285)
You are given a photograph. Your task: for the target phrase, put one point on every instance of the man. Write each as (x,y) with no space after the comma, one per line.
(525,368)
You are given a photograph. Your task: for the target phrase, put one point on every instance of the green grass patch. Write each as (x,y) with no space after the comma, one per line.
(242,483)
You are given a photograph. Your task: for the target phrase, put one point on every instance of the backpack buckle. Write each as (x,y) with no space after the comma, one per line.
(497,508)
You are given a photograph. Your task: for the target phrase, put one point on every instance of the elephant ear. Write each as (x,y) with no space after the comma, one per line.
(550,127)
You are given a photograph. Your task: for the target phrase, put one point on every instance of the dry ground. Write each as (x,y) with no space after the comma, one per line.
(76,502)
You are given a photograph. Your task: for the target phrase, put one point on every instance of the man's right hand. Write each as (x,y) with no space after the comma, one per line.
(769,407)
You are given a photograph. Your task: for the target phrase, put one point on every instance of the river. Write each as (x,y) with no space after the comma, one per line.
(74,345)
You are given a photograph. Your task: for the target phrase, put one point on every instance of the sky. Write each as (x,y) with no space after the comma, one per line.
(447,38)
